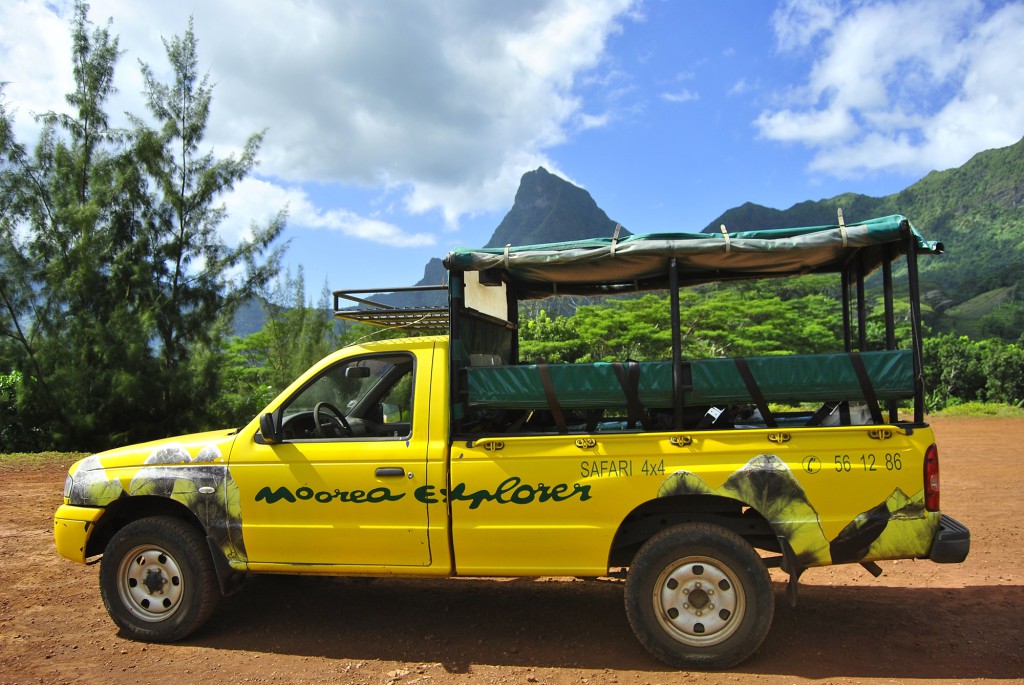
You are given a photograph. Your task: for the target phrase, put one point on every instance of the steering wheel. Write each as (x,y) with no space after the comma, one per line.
(338,420)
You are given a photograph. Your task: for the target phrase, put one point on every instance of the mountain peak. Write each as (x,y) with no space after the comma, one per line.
(549,209)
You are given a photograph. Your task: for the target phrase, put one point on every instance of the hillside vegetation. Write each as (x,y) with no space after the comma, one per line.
(976,211)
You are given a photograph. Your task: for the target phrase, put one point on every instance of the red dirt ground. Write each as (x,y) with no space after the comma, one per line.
(919,622)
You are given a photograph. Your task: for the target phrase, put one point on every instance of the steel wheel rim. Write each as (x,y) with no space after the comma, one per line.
(150,583)
(698,601)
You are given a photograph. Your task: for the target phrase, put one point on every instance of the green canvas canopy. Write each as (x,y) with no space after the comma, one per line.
(641,262)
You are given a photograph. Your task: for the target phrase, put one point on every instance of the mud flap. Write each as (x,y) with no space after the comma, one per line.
(791,566)
(872,568)
(229,579)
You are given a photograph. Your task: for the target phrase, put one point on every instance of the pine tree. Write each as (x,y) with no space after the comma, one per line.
(193,286)
(79,338)
(115,281)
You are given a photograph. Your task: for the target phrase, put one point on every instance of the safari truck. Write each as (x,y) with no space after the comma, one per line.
(448,455)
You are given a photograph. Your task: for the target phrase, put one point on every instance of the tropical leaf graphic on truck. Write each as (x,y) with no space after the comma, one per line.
(200,483)
(767,484)
(205,487)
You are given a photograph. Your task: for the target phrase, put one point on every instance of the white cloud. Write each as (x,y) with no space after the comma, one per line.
(590,121)
(740,87)
(797,23)
(814,127)
(436,97)
(38,70)
(900,85)
(492,191)
(260,201)
(684,95)
(436,100)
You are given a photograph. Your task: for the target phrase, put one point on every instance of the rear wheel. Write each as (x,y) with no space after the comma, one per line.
(157,579)
(699,596)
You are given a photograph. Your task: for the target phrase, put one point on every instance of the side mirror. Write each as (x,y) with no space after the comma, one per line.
(269,429)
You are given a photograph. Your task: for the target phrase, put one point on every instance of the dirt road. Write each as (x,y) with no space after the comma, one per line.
(919,622)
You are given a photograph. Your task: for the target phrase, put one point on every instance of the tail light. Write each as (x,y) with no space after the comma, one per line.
(931,479)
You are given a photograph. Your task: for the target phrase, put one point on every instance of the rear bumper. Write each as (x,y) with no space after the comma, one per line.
(951,542)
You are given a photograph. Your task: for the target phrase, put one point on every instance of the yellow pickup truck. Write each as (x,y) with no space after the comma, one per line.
(447,455)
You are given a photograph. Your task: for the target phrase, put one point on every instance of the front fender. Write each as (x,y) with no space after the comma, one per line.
(190,471)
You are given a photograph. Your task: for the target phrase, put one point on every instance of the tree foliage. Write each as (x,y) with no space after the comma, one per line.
(114,275)
(72,264)
(295,335)
(714,322)
(959,369)
(745,320)
(192,263)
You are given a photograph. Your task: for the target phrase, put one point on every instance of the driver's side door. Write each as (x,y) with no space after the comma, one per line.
(339,487)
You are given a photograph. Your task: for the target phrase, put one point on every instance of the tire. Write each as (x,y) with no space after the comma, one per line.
(157,579)
(699,596)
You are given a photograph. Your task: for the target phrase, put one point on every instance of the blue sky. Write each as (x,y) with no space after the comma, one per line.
(399,129)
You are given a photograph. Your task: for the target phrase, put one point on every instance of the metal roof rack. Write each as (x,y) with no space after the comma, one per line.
(382,314)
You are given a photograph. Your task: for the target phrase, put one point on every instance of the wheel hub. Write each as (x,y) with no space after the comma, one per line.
(154,580)
(150,583)
(698,601)
(700,598)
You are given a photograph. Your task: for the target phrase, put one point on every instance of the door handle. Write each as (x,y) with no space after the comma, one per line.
(389,472)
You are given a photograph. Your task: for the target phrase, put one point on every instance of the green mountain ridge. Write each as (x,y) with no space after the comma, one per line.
(976,211)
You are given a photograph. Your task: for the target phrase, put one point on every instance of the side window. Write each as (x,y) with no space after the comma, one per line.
(361,398)
(397,404)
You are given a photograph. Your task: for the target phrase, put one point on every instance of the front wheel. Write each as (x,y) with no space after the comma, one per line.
(699,596)
(157,579)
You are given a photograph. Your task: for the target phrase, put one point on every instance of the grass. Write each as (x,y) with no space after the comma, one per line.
(971,409)
(982,409)
(35,461)
(965,318)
